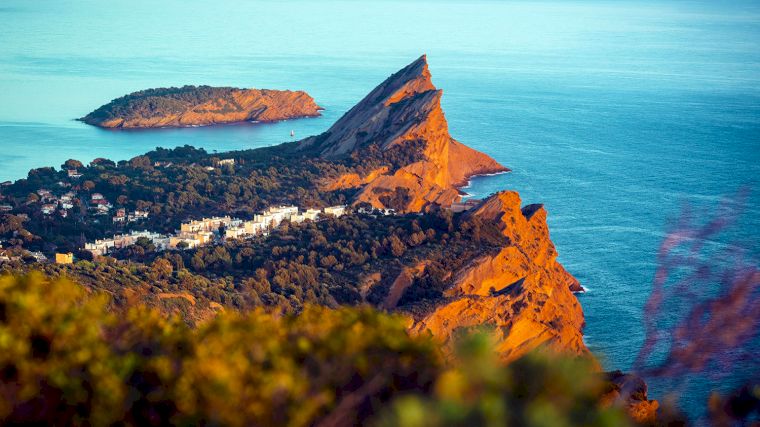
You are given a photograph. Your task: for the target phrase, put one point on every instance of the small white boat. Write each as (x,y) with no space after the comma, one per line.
(292,133)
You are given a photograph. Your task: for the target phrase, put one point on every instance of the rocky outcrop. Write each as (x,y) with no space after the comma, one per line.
(522,291)
(404,114)
(630,392)
(201,106)
(351,180)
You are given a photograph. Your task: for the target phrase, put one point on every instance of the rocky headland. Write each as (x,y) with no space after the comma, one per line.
(201,106)
(521,291)
(403,114)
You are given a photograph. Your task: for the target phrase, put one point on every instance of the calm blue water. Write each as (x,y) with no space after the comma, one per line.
(612,114)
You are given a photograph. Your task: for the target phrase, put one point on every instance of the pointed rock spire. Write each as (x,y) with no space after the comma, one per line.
(405,109)
(363,123)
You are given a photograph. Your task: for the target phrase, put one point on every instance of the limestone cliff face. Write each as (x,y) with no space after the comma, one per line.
(522,291)
(201,106)
(404,112)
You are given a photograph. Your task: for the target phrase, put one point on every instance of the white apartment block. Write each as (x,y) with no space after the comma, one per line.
(102,247)
(202,232)
(335,211)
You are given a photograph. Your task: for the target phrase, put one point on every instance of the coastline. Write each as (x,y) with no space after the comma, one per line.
(199,125)
(478,175)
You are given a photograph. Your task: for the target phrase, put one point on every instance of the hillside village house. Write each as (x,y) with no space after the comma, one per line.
(310,214)
(67,258)
(38,256)
(103,246)
(188,242)
(121,215)
(191,240)
(201,232)
(336,211)
(275,215)
(208,224)
(100,247)
(45,195)
(137,216)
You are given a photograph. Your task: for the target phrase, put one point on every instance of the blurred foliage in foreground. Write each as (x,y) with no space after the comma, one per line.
(66,359)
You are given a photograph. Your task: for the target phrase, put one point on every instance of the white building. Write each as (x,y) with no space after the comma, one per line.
(202,232)
(206,224)
(312,214)
(335,211)
(297,218)
(234,232)
(275,215)
(266,220)
(102,247)
(161,243)
(39,256)
(137,216)
(253,227)
(175,241)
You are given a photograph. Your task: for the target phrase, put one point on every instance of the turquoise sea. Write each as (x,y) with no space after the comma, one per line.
(614,114)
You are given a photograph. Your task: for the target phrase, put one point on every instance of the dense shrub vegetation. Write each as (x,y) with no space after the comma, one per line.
(179,188)
(67,359)
(323,262)
(160,101)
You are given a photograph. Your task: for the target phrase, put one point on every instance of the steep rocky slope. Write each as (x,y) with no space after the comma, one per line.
(404,114)
(201,106)
(522,291)
(520,288)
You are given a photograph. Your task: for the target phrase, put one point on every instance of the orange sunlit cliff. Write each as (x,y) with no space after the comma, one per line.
(522,290)
(405,110)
